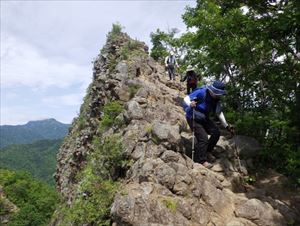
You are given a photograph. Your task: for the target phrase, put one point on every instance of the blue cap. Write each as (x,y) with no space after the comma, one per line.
(218,88)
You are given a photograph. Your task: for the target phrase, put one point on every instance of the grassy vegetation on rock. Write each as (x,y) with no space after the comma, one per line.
(99,179)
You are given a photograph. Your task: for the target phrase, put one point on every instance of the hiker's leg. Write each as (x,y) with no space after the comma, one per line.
(170,72)
(202,141)
(173,73)
(213,130)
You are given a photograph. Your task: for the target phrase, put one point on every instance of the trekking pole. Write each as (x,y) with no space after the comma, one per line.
(236,152)
(193,138)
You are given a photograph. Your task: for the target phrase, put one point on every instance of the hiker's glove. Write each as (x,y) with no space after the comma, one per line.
(230,129)
(193,104)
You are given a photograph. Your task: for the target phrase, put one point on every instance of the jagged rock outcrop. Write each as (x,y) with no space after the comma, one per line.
(162,186)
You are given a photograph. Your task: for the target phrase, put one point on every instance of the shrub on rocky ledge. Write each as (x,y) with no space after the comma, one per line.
(110,112)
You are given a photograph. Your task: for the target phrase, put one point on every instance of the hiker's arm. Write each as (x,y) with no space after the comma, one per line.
(222,119)
(187,101)
(166,61)
(220,115)
(190,103)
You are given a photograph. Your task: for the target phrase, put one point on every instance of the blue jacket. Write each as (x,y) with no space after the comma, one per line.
(205,104)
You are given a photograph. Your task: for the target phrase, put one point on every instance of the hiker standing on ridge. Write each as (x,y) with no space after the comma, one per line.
(191,78)
(170,63)
(197,106)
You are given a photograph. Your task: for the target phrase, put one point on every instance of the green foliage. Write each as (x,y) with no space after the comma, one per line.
(116,28)
(36,200)
(148,128)
(130,49)
(110,112)
(98,187)
(38,158)
(81,121)
(4,208)
(163,42)
(112,64)
(291,223)
(133,90)
(98,181)
(171,204)
(256,52)
(115,32)
(159,50)
(108,156)
(93,206)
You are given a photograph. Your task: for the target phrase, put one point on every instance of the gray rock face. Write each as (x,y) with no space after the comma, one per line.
(122,68)
(259,212)
(164,132)
(134,110)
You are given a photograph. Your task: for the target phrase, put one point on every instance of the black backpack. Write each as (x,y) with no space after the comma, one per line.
(192,79)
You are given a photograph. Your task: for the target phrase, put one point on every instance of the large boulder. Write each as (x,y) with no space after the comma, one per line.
(122,71)
(134,110)
(260,213)
(163,132)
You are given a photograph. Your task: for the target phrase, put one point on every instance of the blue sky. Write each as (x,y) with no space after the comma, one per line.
(47,48)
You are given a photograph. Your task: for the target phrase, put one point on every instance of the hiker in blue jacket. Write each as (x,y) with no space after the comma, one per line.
(197,106)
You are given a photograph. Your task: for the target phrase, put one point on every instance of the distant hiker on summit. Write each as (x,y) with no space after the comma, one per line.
(197,106)
(192,79)
(170,63)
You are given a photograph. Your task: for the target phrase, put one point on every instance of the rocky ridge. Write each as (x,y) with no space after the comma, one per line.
(162,186)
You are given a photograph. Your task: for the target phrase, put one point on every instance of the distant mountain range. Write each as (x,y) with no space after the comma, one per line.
(32,131)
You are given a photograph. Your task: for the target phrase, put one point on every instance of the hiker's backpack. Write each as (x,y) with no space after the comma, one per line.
(193,80)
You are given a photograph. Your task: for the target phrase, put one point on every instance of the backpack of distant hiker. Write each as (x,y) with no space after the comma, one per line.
(193,80)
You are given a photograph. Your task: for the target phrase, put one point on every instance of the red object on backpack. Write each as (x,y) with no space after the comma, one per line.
(193,80)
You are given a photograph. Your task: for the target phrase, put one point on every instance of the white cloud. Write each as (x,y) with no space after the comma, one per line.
(22,64)
(17,115)
(47,47)
(74,99)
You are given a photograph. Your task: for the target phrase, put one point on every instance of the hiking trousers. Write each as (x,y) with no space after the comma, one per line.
(171,72)
(204,145)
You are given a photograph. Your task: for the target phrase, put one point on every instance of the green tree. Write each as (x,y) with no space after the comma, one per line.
(38,158)
(253,45)
(163,42)
(36,200)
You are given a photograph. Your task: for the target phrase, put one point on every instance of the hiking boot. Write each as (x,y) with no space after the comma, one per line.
(207,165)
(211,157)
